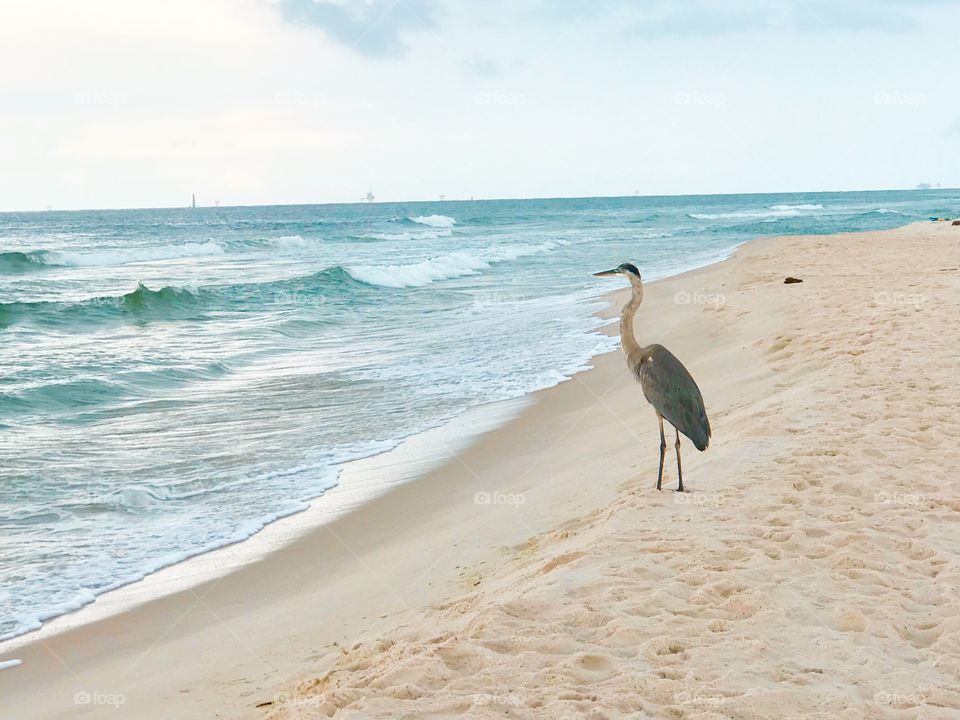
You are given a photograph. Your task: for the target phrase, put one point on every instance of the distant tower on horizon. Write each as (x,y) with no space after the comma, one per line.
(193,200)
(369,197)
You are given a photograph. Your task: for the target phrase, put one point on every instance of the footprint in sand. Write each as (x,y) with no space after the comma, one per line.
(591,667)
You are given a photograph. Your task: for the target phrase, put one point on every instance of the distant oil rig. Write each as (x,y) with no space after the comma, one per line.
(193,202)
(369,197)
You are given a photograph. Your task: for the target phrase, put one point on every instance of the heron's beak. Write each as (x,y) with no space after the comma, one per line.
(607,273)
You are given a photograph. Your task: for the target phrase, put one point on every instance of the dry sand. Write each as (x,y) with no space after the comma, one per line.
(812,571)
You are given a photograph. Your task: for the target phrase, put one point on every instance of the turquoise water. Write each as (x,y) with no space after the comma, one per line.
(174,379)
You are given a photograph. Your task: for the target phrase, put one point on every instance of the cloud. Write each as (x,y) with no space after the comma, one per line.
(709,18)
(370,27)
(481,66)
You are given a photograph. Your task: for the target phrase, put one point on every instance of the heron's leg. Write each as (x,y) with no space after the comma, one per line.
(679,469)
(663,450)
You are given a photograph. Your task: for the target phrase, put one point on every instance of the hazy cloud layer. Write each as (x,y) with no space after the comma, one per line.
(482,67)
(371,27)
(261,101)
(706,18)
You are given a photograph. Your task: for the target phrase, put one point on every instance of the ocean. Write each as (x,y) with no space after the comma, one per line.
(172,380)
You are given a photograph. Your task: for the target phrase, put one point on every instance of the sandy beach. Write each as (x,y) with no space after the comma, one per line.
(811,571)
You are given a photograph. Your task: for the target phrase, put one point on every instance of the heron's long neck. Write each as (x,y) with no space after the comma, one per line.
(627,339)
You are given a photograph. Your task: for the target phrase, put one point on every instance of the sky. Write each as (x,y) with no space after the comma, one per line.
(139,103)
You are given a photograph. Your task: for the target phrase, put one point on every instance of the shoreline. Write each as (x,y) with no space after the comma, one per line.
(577,455)
(410,458)
(379,473)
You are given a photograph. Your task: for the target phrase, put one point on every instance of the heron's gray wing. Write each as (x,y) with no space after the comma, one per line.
(670,388)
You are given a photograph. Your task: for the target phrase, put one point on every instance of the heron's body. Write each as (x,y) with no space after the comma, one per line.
(667,384)
(673,393)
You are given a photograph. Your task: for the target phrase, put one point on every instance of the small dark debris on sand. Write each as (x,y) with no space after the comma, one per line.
(955,222)
(791,280)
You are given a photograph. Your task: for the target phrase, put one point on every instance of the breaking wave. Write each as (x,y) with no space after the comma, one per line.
(437,221)
(11,262)
(406,236)
(748,214)
(23,262)
(167,303)
(802,206)
(443,267)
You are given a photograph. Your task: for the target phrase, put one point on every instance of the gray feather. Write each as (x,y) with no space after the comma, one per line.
(670,388)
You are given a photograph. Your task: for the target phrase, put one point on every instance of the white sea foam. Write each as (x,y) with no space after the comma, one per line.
(773,212)
(123,256)
(746,214)
(407,236)
(443,267)
(802,206)
(437,221)
(292,242)
(4,664)
(139,498)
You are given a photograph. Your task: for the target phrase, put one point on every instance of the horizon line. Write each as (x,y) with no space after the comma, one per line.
(469,200)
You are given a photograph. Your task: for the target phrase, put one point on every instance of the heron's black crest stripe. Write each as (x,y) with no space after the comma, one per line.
(630,267)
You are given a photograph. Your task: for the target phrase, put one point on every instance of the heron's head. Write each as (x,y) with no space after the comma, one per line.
(628,270)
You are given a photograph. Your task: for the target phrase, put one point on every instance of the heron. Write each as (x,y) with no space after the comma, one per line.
(666,383)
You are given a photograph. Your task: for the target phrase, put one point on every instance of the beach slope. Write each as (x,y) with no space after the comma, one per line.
(812,570)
